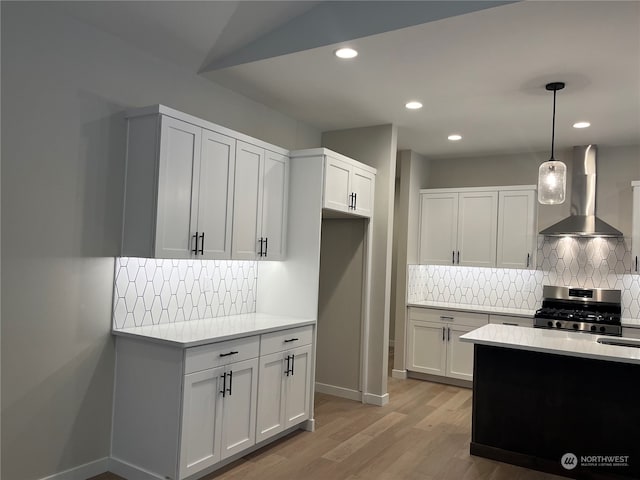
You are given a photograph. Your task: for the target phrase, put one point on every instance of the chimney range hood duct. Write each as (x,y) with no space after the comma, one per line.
(583,221)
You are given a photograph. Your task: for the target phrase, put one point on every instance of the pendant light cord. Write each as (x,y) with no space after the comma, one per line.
(553,125)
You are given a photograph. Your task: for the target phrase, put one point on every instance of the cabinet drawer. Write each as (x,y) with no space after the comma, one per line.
(509,320)
(448,316)
(223,353)
(285,339)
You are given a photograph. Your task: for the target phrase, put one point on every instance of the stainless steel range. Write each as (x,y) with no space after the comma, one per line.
(593,310)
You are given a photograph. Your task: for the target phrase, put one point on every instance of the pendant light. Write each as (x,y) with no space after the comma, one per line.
(552,174)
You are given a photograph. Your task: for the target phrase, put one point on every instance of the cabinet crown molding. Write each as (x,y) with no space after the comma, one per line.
(503,188)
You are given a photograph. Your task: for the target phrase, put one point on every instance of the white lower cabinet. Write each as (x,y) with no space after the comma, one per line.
(285,381)
(434,345)
(179,412)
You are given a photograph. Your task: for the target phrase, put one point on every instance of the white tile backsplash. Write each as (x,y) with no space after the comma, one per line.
(581,262)
(151,291)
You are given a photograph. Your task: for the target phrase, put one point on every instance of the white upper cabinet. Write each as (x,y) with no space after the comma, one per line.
(215,195)
(274,206)
(438,228)
(348,185)
(516,229)
(337,185)
(477,222)
(247,201)
(635,235)
(260,199)
(197,190)
(179,161)
(477,227)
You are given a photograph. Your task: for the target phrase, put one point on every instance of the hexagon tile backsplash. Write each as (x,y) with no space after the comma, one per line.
(580,262)
(151,291)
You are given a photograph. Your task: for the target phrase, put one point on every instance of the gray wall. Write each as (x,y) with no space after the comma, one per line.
(414,174)
(64,88)
(340,303)
(375,146)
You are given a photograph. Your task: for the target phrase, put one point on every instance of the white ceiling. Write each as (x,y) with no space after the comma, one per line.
(481,74)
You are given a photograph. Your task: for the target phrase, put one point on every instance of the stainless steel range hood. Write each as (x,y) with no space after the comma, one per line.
(583,221)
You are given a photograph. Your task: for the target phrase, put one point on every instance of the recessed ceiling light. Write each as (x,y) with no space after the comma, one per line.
(581,125)
(413,105)
(454,137)
(346,53)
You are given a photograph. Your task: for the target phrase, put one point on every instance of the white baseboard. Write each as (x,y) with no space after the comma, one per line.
(130,472)
(401,374)
(339,391)
(309,425)
(379,400)
(82,472)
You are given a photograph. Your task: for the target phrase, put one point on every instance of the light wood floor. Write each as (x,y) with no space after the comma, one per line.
(422,434)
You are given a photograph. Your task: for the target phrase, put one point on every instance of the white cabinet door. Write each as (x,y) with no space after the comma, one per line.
(459,354)
(477,229)
(362,186)
(426,347)
(271,401)
(274,206)
(516,229)
(298,386)
(337,185)
(635,235)
(438,228)
(179,161)
(247,200)
(201,421)
(239,407)
(215,198)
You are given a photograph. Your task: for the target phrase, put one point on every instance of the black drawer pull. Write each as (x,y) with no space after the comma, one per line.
(195,250)
(291,340)
(227,354)
(224,385)
(230,383)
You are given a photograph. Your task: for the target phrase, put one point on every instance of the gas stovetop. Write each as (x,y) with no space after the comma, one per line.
(585,310)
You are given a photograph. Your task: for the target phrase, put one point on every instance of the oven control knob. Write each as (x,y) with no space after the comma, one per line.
(558,324)
(549,323)
(575,326)
(602,329)
(593,328)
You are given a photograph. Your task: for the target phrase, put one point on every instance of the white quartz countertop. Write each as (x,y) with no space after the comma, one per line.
(211,330)
(516,312)
(560,342)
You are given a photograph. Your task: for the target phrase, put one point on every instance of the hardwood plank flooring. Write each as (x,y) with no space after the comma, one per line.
(422,434)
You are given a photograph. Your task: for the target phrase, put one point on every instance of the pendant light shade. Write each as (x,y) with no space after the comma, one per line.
(552,174)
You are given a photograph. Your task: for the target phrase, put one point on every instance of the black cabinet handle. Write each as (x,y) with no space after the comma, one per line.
(443,329)
(266,246)
(448,334)
(227,354)
(224,385)
(636,263)
(291,340)
(195,250)
(230,382)
(458,257)
(453,257)
(293,363)
(260,252)
(528,258)
(351,200)
(355,201)
(201,244)
(287,370)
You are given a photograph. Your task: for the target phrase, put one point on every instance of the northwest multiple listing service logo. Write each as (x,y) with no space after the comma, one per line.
(569,461)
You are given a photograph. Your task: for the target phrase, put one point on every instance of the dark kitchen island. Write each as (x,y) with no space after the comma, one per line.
(556,401)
